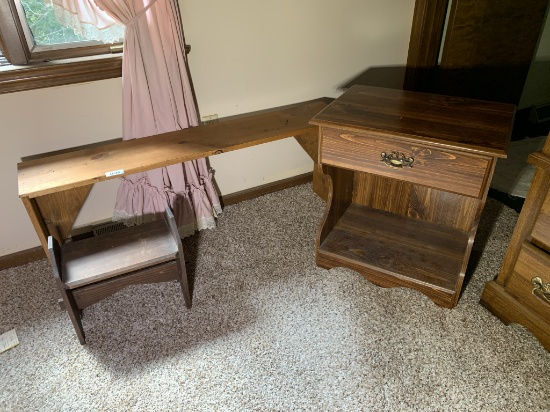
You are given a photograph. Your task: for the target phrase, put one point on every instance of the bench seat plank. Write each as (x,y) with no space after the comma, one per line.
(38,177)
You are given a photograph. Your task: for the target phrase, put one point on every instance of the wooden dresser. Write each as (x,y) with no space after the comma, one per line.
(407,176)
(521,292)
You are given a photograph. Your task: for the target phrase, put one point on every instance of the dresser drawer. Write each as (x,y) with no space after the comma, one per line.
(541,230)
(532,263)
(451,171)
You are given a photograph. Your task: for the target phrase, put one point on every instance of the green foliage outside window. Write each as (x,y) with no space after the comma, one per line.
(45,29)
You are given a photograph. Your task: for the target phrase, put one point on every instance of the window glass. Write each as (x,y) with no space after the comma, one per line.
(3,60)
(31,34)
(45,29)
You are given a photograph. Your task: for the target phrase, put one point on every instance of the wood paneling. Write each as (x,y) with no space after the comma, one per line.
(382,193)
(415,201)
(443,208)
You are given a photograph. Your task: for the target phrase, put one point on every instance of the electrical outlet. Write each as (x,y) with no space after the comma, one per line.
(209,119)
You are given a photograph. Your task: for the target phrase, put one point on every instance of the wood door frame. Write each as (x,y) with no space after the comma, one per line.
(425,41)
(426,38)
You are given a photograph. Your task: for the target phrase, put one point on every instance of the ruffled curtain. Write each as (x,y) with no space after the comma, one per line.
(157,98)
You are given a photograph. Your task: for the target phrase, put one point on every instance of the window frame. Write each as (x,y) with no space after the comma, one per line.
(37,69)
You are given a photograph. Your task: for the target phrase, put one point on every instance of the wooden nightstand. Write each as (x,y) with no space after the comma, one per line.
(521,292)
(407,175)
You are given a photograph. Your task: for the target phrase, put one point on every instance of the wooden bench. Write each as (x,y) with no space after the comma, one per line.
(53,188)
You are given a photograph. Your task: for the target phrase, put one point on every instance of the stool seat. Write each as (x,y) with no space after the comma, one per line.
(99,258)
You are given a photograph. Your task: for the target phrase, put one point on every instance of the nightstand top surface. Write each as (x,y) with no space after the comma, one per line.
(457,122)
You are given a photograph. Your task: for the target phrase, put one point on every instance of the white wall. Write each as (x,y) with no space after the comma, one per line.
(246,55)
(45,120)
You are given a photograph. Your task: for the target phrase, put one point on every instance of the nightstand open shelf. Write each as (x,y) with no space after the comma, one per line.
(403,249)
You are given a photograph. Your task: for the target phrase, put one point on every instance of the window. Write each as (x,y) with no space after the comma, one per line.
(43,26)
(43,52)
(3,60)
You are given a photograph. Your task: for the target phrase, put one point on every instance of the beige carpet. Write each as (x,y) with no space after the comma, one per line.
(269,331)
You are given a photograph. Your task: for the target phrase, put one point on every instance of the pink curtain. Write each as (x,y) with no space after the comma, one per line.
(157,98)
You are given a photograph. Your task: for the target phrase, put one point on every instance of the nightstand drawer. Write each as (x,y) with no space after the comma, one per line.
(541,229)
(530,278)
(434,167)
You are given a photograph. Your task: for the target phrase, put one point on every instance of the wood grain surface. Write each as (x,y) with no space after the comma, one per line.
(399,225)
(512,296)
(95,292)
(416,201)
(465,124)
(532,262)
(51,174)
(509,310)
(488,49)
(413,253)
(541,228)
(59,220)
(441,168)
(538,191)
(99,258)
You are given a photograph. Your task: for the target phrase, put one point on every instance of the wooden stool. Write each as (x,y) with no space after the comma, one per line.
(90,270)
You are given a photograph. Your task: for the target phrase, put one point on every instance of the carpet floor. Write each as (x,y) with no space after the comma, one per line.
(270,331)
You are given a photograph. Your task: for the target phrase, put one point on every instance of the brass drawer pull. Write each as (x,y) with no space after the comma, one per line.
(541,290)
(397,160)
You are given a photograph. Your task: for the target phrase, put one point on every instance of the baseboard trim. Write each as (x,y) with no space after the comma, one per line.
(30,255)
(21,258)
(258,191)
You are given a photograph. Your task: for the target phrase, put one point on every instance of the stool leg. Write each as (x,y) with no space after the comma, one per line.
(182,272)
(68,300)
(75,314)
(184,282)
